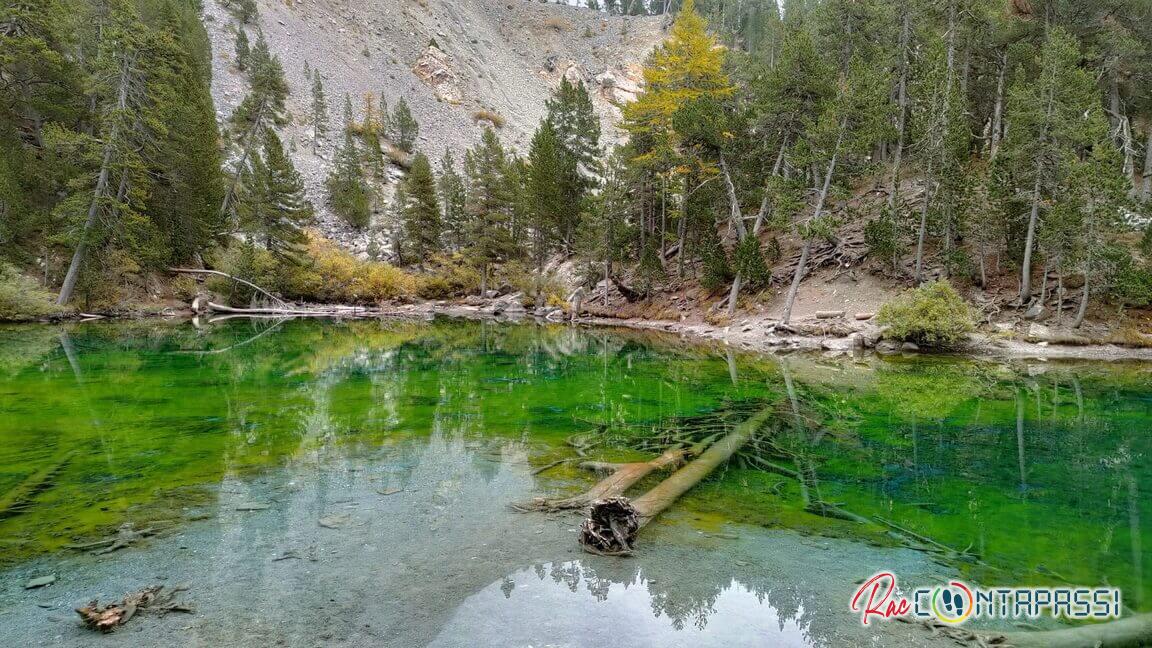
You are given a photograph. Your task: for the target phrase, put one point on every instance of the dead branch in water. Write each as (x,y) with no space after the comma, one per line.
(614,523)
(107,618)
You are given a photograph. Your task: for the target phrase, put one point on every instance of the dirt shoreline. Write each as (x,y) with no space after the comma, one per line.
(760,335)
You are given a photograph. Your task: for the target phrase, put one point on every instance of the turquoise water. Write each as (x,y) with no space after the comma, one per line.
(1016,473)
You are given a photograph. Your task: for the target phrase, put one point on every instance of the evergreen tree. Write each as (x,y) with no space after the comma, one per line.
(127,125)
(453,196)
(262,106)
(348,193)
(1047,118)
(244,10)
(549,206)
(242,50)
(319,112)
(272,205)
(422,221)
(490,205)
(576,129)
(404,130)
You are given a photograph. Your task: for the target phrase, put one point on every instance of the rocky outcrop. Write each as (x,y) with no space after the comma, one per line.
(434,68)
(449,59)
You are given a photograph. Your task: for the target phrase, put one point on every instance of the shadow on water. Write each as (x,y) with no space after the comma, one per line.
(1013,473)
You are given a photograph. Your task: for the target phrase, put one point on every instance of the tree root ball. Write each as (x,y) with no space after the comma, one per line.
(611,527)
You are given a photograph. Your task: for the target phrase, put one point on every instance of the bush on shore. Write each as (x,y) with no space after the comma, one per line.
(933,315)
(22,299)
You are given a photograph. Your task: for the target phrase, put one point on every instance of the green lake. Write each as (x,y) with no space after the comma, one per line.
(1018,473)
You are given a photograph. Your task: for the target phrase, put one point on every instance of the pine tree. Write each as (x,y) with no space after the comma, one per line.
(602,233)
(126,127)
(453,196)
(242,50)
(183,203)
(386,129)
(489,205)
(348,193)
(576,129)
(1047,117)
(244,10)
(549,206)
(404,130)
(319,112)
(285,210)
(370,136)
(422,221)
(262,106)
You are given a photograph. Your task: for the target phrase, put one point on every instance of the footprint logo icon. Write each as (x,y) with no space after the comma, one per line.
(952,603)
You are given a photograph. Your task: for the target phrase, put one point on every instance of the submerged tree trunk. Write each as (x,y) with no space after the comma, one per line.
(1129,632)
(613,523)
(620,479)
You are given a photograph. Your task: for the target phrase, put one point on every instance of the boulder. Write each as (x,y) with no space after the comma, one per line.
(910,347)
(1039,333)
(886,346)
(434,68)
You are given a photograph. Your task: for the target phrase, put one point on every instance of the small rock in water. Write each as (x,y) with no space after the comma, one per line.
(336,521)
(41,581)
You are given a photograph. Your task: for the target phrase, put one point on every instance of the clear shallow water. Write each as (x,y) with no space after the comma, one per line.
(1039,470)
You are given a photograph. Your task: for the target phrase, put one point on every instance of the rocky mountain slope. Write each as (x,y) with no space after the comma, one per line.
(449,59)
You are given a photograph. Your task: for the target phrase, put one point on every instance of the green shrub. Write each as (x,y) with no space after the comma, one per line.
(21,299)
(450,276)
(934,315)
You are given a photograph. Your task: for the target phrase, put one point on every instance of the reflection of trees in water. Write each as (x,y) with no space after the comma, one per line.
(685,593)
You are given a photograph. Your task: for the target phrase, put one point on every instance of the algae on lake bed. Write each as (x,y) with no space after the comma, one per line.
(1037,474)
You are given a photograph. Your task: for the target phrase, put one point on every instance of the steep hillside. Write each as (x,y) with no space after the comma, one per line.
(447,58)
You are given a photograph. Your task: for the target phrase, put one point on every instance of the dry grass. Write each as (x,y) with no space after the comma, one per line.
(1130,336)
(494,118)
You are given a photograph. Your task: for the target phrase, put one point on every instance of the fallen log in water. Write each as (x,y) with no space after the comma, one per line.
(205,306)
(1130,632)
(613,524)
(621,478)
(15,500)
